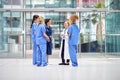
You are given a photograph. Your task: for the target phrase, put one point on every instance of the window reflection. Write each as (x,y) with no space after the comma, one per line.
(91,3)
(50,3)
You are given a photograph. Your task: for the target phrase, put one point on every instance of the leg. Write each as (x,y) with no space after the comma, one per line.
(49,50)
(47,58)
(43,51)
(34,53)
(39,56)
(67,62)
(73,54)
(62,52)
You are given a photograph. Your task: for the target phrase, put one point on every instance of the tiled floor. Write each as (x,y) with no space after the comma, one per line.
(88,69)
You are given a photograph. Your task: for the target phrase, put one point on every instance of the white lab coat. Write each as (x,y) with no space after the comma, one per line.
(66,50)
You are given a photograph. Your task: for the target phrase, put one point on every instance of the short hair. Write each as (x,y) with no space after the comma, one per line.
(73,18)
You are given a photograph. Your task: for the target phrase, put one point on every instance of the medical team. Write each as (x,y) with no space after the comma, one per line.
(42,40)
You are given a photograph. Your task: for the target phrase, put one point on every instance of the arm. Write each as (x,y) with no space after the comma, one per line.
(63,34)
(50,32)
(44,33)
(46,37)
(68,35)
(69,31)
(33,32)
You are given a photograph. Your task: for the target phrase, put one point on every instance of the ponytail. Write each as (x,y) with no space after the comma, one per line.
(31,23)
(33,20)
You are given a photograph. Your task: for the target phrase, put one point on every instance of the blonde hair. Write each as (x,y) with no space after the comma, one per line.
(41,19)
(73,18)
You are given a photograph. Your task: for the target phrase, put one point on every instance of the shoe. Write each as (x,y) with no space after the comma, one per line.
(67,64)
(45,64)
(75,65)
(38,65)
(61,63)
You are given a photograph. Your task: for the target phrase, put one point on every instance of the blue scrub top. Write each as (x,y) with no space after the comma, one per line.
(33,31)
(74,31)
(49,32)
(40,30)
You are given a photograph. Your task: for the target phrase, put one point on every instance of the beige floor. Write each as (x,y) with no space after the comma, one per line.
(88,69)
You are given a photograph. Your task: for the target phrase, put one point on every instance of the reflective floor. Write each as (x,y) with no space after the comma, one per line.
(88,69)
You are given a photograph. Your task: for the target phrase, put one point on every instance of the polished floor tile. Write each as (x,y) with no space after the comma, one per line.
(88,69)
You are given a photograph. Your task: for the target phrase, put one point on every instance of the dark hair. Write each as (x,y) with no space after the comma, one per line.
(34,18)
(46,21)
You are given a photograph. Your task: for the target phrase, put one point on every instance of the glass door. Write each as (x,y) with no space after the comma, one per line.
(11,41)
(92,36)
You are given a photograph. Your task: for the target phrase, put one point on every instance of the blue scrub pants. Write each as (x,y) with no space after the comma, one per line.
(73,54)
(41,55)
(34,53)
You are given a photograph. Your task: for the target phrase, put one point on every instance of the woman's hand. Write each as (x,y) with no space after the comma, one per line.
(63,35)
(48,39)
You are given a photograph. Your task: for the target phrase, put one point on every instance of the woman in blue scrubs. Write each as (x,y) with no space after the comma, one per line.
(41,38)
(49,34)
(35,22)
(73,33)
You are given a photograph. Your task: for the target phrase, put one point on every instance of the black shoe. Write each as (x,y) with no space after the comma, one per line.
(61,63)
(67,64)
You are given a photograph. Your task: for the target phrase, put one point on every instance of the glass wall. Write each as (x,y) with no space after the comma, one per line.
(113,4)
(110,4)
(92,32)
(92,3)
(11,41)
(99,30)
(112,27)
(11,4)
(50,4)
